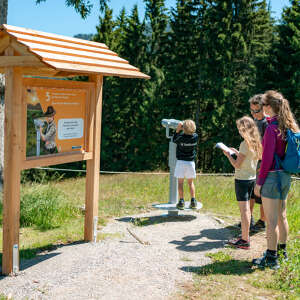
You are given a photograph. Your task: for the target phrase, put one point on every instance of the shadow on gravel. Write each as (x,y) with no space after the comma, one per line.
(146,221)
(195,243)
(230,267)
(32,256)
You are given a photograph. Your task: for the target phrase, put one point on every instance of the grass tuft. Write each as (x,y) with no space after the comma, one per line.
(45,207)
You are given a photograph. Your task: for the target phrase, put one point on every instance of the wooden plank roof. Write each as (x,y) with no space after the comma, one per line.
(63,54)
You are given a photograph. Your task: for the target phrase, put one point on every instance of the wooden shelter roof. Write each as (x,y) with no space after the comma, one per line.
(39,52)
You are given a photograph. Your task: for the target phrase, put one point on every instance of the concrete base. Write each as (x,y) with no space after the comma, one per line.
(171,207)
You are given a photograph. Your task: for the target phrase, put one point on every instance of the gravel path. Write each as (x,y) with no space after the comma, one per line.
(120,267)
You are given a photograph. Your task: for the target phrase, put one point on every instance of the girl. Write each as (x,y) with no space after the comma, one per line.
(249,153)
(269,180)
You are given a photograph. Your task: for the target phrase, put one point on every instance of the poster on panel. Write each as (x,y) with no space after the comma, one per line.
(55,120)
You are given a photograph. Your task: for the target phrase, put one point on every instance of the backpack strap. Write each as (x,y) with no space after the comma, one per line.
(277,166)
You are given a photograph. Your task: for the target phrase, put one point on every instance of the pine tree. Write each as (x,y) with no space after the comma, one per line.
(233,44)
(288,56)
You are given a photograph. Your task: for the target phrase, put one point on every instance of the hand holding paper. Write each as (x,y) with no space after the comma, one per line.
(224,148)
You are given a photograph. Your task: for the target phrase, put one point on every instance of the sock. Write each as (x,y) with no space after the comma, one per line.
(272,252)
(193,199)
(181,199)
(281,247)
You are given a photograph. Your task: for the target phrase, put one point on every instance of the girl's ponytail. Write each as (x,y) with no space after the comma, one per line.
(286,118)
(281,107)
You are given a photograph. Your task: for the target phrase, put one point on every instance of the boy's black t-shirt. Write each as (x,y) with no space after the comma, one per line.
(186,146)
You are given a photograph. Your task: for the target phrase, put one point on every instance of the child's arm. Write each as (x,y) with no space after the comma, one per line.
(177,137)
(179,127)
(236,163)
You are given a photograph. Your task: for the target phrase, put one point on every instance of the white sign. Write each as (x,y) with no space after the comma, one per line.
(70,129)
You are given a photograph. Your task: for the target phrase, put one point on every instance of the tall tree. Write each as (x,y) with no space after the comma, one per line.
(234,40)
(288,55)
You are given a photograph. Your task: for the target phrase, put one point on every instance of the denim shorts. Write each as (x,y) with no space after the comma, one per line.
(243,189)
(270,188)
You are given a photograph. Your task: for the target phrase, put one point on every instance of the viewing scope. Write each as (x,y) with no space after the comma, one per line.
(170,123)
(38,123)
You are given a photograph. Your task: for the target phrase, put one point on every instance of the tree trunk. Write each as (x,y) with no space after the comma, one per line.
(3,20)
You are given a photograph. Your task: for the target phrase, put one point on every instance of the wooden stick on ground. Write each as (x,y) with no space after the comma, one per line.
(137,238)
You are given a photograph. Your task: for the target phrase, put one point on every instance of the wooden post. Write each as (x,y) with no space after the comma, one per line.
(12,163)
(93,165)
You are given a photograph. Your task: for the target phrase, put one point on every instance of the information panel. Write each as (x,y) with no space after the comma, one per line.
(55,120)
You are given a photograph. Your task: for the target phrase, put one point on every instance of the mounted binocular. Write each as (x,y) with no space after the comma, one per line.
(170,123)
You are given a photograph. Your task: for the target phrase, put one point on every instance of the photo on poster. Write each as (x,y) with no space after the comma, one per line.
(55,120)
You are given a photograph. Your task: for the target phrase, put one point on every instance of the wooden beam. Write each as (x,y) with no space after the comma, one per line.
(4,43)
(12,162)
(106,71)
(71,84)
(23,50)
(93,166)
(55,159)
(20,61)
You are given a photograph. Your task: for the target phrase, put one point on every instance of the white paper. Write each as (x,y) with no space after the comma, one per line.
(70,129)
(225,148)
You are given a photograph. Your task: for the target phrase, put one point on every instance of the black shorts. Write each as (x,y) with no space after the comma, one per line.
(257,199)
(244,189)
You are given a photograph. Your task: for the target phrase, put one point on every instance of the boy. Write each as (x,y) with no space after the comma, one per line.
(185,153)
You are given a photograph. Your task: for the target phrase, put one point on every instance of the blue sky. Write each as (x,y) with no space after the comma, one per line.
(53,16)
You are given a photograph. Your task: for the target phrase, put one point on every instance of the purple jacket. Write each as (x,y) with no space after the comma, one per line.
(272,143)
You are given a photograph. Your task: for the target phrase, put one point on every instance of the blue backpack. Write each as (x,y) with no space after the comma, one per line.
(291,160)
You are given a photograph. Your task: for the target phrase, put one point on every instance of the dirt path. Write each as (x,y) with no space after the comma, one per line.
(120,267)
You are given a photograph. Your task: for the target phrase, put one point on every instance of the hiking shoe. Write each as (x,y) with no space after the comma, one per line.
(193,204)
(239,243)
(282,254)
(258,226)
(180,204)
(267,261)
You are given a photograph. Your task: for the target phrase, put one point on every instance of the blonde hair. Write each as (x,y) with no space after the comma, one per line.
(249,132)
(281,108)
(189,127)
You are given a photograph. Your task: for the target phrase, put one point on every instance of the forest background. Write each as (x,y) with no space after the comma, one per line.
(206,59)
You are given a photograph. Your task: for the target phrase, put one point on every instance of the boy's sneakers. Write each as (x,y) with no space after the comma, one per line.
(258,226)
(239,243)
(193,204)
(180,204)
(268,260)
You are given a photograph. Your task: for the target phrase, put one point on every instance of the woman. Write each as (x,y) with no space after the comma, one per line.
(245,174)
(273,185)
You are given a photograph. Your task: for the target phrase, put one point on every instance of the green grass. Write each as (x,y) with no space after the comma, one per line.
(51,216)
(44,207)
